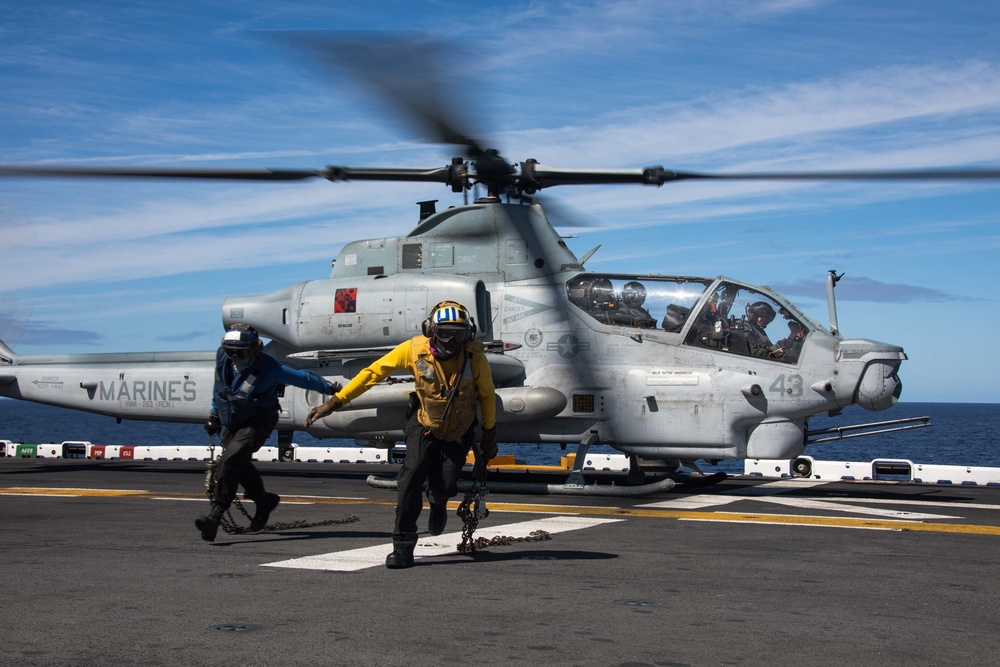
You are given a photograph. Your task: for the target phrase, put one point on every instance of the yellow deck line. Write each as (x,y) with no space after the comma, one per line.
(748,517)
(620,512)
(174,495)
(846,522)
(38,491)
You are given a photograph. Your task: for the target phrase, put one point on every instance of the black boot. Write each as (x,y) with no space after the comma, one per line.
(401,556)
(438,519)
(265,506)
(209,525)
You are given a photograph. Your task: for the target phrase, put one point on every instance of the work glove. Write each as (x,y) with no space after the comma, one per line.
(488,444)
(213,426)
(332,404)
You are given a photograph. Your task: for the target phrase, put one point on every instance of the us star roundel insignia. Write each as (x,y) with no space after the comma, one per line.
(568,346)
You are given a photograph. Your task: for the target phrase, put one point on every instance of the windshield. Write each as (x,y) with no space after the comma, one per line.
(743,321)
(641,302)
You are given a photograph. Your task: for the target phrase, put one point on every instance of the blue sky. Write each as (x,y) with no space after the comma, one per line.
(93,266)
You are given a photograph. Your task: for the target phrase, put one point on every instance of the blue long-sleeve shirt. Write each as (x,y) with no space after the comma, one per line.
(241,394)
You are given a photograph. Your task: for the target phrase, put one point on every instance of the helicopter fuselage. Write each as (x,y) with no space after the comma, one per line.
(665,367)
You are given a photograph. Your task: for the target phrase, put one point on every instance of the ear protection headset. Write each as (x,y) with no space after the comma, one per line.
(449,312)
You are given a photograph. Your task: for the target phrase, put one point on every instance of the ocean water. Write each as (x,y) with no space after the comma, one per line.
(959,434)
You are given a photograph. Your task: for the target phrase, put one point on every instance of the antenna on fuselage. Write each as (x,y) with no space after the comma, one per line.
(831,282)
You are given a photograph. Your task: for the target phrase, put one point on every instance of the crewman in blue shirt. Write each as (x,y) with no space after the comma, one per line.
(245,409)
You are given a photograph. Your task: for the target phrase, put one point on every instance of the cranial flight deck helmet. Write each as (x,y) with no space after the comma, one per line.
(241,343)
(448,328)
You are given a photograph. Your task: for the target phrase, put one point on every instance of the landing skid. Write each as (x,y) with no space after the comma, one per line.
(694,481)
(576,485)
(541,489)
(686,480)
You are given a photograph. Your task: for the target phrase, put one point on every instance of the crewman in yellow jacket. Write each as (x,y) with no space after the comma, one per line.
(451,376)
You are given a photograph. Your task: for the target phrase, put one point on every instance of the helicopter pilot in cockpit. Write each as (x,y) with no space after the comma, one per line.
(632,312)
(792,345)
(604,305)
(751,330)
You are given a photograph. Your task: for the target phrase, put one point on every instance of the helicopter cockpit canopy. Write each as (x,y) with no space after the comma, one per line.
(646,302)
(736,319)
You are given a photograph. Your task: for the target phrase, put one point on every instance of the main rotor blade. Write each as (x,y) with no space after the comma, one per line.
(438,175)
(164,172)
(535,176)
(490,169)
(898,175)
(406,69)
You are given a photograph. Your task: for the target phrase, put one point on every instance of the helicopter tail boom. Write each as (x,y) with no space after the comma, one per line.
(158,386)
(7,356)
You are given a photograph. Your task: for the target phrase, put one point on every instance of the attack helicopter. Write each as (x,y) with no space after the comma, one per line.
(670,369)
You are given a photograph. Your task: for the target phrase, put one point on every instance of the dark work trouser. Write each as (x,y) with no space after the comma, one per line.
(235,467)
(439,462)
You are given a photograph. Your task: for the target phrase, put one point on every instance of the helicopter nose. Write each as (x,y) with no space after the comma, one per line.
(880,387)
(875,365)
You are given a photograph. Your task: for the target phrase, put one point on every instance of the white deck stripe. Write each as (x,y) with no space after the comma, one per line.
(778,486)
(442,545)
(705,500)
(811,504)
(692,502)
(769,493)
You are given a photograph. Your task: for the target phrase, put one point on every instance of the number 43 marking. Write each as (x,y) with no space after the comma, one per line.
(787,384)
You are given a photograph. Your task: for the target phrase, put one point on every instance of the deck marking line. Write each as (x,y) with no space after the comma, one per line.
(812,504)
(442,545)
(692,502)
(922,503)
(780,486)
(70,492)
(843,522)
(831,504)
(786,523)
(657,510)
(769,489)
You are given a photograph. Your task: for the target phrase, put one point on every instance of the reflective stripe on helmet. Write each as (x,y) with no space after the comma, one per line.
(239,337)
(450,315)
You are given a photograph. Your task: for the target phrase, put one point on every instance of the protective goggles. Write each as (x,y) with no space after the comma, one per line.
(239,353)
(448,335)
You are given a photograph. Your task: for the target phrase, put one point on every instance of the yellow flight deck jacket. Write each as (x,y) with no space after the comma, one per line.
(434,380)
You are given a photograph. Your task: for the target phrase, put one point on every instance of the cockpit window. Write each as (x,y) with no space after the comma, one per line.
(642,303)
(741,321)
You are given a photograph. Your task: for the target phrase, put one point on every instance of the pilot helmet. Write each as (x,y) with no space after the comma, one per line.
(448,328)
(633,294)
(602,294)
(241,343)
(761,310)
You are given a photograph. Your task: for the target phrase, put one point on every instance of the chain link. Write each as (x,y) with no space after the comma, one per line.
(470,521)
(500,541)
(473,506)
(228,524)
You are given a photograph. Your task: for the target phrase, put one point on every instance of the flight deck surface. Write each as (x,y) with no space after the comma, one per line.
(103,566)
